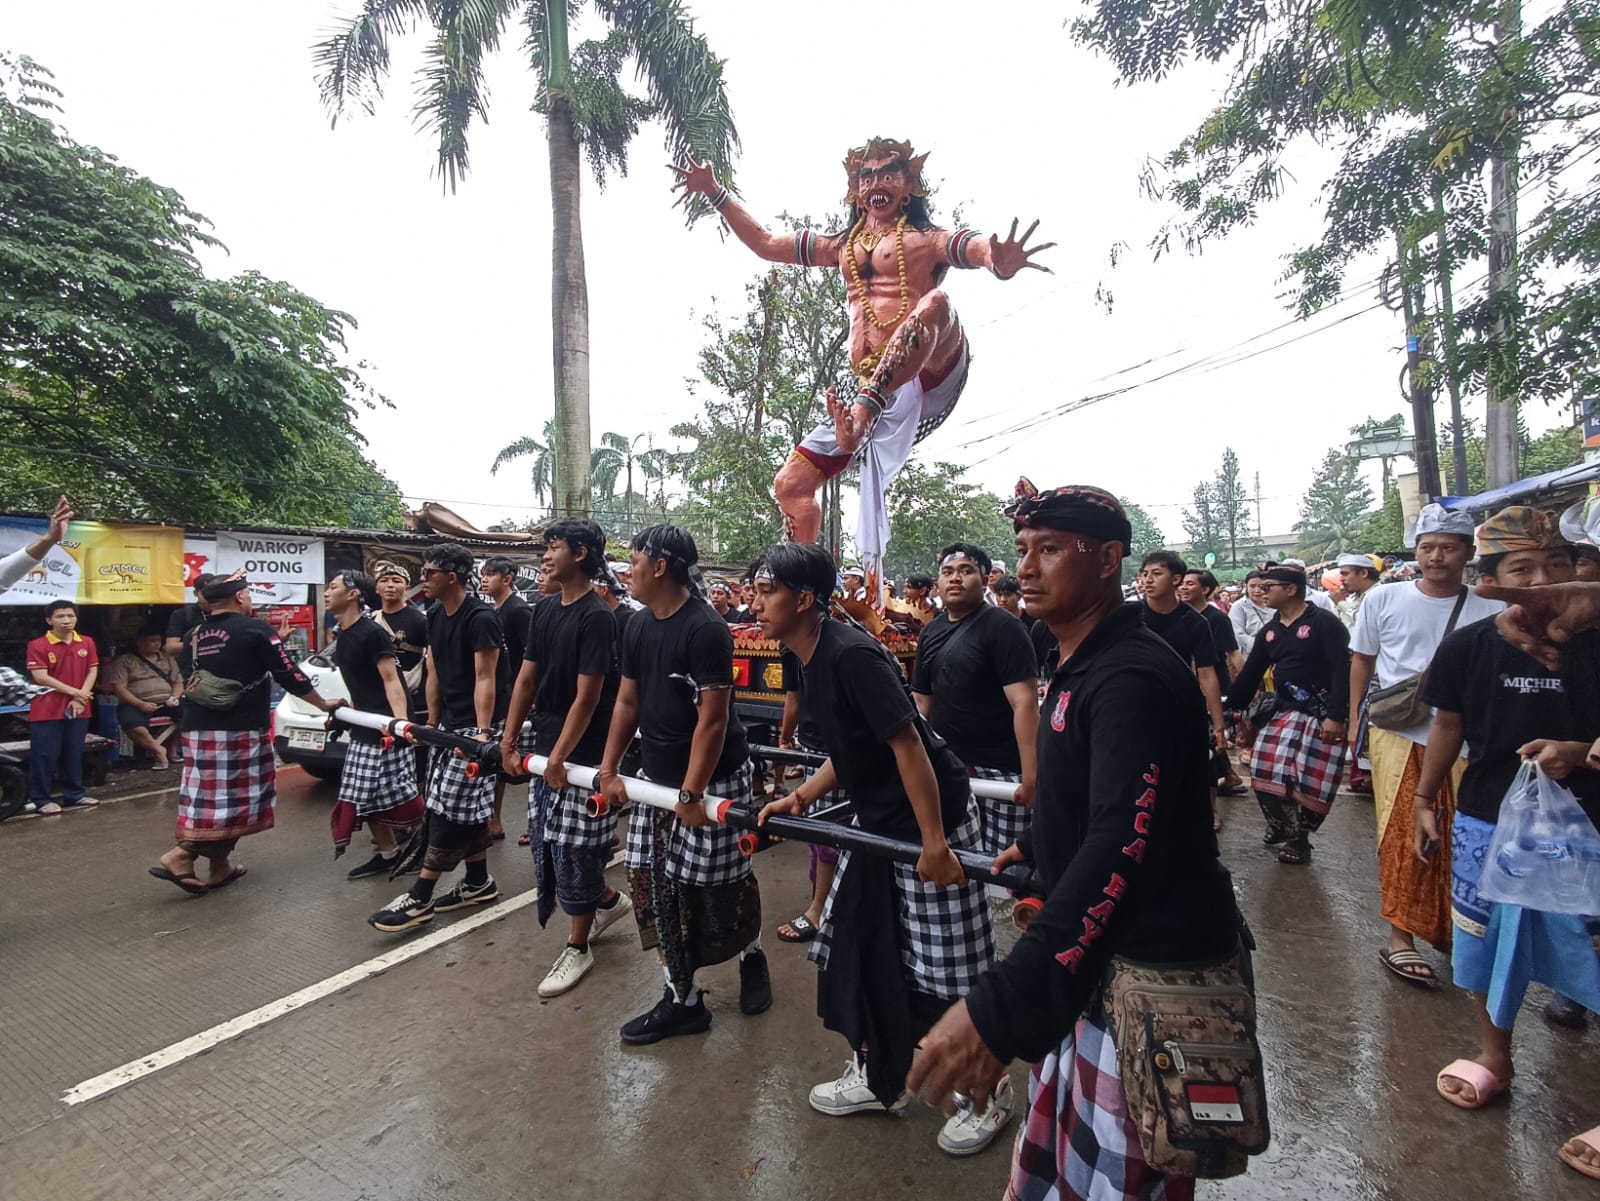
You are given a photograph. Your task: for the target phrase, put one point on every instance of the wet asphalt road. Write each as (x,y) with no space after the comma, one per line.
(446,1077)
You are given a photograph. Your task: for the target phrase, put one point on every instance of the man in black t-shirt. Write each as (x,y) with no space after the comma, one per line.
(181,621)
(229,785)
(976,681)
(498,582)
(1501,703)
(895,953)
(378,785)
(469,687)
(693,892)
(569,681)
(407,626)
(1196,590)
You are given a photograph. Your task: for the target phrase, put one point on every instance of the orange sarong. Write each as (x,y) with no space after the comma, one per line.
(1416,895)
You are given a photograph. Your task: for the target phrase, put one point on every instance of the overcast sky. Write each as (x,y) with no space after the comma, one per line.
(218,100)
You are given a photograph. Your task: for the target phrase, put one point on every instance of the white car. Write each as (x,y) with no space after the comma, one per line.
(300,731)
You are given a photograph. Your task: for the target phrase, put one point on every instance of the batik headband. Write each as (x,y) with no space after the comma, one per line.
(1284,575)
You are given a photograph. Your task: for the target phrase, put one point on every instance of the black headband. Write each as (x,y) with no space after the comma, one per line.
(222,589)
(1285,575)
(1080,510)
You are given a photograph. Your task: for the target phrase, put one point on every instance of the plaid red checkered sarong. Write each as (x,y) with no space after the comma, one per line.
(1292,759)
(1078,1141)
(229,784)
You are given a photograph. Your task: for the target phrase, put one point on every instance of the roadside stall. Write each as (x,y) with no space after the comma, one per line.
(120,575)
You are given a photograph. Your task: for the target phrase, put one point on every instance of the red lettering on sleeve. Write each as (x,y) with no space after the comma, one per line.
(1135,850)
(1103,911)
(1118,888)
(1153,776)
(1147,800)
(1141,822)
(1091,934)
(1070,958)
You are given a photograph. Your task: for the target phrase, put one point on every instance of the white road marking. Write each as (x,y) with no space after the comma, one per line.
(188,1048)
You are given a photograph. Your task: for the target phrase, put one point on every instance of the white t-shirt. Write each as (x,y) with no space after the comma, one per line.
(1321,600)
(1402,627)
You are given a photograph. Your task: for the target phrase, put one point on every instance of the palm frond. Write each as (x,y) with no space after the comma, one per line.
(515,450)
(351,61)
(451,89)
(683,82)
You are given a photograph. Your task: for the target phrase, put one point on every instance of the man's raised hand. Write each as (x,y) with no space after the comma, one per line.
(1012,255)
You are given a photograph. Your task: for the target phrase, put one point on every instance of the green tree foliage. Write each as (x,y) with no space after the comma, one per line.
(135,383)
(542,473)
(931,506)
(1147,536)
(1334,509)
(1201,524)
(1416,101)
(588,110)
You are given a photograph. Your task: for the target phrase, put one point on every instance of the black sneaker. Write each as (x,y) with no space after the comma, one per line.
(405,912)
(465,896)
(667,1019)
(755,984)
(378,865)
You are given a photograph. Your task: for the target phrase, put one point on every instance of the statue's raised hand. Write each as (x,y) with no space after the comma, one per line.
(697,177)
(1012,255)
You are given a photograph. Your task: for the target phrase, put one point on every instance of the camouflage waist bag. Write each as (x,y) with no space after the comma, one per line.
(1190,1065)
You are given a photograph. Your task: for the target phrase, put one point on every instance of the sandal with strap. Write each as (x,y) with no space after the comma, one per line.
(1590,1139)
(1410,967)
(801,930)
(1486,1086)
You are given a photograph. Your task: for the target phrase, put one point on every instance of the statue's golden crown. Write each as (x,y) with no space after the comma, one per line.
(885,148)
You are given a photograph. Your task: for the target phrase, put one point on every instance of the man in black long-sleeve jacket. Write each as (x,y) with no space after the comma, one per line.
(229,785)
(1121,839)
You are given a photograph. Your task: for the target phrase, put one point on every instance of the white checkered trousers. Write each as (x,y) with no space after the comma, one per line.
(946,935)
(376,780)
(463,799)
(1001,822)
(705,857)
(565,816)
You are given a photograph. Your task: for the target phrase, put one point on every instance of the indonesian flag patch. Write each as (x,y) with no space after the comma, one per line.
(1217,1103)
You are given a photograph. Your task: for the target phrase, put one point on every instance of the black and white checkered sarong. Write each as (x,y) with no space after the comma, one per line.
(1001,822)
(946,935)
(376,780)
(564,815)
(705,857)
(452,793)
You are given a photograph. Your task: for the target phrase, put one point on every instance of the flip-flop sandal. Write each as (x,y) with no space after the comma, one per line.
(1590,1139)
(1398,961)
(524,841)
(803,930)
(1294,857)
(193,885)
(1486,1086)
(237,873)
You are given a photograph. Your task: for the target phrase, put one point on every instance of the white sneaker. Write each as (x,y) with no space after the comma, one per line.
(571,966)
(969,1131)
(848,1094)
(603,918)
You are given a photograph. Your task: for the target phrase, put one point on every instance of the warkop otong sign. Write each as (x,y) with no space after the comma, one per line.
(270,557)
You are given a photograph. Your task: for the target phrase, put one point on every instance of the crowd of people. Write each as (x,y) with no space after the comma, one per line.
(1115,721)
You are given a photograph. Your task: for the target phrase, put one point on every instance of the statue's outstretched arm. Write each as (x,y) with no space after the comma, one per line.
(805,248)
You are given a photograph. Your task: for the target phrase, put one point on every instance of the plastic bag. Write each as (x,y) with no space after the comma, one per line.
(1545,854)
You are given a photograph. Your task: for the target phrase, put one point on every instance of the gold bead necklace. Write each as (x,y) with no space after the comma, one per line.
(856,235)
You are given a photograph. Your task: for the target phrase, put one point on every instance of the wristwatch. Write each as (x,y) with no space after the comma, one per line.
(685,797)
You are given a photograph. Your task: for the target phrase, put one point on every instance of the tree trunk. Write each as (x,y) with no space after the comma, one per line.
(569,317)
(1443,268)
(1501,428)
(627,497)
(1423,437)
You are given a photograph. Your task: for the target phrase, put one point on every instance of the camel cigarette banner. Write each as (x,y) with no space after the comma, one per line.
(97,564)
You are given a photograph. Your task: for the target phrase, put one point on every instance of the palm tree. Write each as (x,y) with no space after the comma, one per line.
(544,483)
(616,456)
(585,106)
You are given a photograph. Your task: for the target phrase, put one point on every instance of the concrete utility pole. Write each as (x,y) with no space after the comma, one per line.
(1501,427)
(1260,531)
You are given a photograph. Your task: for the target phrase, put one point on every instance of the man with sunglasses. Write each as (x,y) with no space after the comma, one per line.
(469,689)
